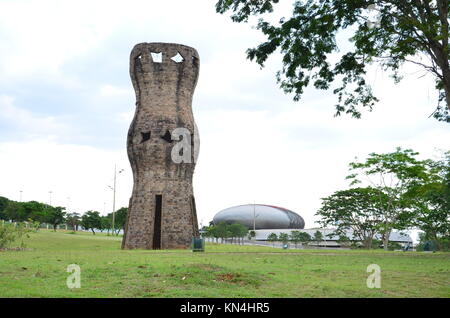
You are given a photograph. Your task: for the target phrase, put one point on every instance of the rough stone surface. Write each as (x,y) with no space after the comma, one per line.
(163,102)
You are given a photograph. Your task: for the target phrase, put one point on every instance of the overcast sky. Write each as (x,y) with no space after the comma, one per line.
(66,102)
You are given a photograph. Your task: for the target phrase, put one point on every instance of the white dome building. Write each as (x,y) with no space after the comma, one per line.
(260,217)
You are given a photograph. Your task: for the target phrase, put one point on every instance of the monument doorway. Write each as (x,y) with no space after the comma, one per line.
(157,224)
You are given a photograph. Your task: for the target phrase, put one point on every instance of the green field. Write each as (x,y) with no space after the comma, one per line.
(222,271)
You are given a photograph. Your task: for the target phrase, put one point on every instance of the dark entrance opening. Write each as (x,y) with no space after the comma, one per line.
(157,224)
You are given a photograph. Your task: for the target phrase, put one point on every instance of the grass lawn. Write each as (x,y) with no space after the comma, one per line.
(222,271)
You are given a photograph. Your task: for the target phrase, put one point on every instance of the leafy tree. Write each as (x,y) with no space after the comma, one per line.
(15,212)
(55,216)
(36,211)
(394,175)
(305,238)
(283,238)
(295,237)
(405,31)
(394,246)
(432,204)
(358,209)
(217,234)
(234,230)
(22,211)
(74,220)
(222,231)
(106,223)
(242,231)
(343,240)
(208,231)
(212,231)
(272,238)
(251,234)
(428,244)
(318,237)
(3,204)
(91,220)
(120,219)
(431,217)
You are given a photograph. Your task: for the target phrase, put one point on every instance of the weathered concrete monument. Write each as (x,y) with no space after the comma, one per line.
(162,147)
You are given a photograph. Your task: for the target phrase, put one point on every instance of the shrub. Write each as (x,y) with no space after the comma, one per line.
(377,243)
(394,246)
(10,233)
(7,234)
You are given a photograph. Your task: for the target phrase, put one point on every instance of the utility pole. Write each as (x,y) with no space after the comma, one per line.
(68,210)
(254,216)
(114,199)
(114,196)
(50,201)
(21,195)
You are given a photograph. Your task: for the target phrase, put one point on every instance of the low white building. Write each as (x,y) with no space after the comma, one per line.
(329,238)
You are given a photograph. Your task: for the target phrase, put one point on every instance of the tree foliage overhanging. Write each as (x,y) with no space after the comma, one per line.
(414,31)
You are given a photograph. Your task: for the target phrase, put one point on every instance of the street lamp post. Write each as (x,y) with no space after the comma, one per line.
(68,210)
(254,216)
(114,199)
(114,196)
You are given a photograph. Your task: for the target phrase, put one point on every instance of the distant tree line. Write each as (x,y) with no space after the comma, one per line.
(236,232)
(39,213)
(296,237)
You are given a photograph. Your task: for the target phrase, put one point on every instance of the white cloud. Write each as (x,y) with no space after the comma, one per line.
(108,90)
(28,123)
(47,33)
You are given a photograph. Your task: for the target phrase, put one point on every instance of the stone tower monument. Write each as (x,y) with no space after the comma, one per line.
(162,147)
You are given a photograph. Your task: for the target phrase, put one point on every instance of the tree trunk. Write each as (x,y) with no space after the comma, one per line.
(440,49)
(446,75)
(93,232)
(368,242)
(386,236)
(438,243)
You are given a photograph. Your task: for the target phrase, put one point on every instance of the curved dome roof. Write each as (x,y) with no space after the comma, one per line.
(266,217)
